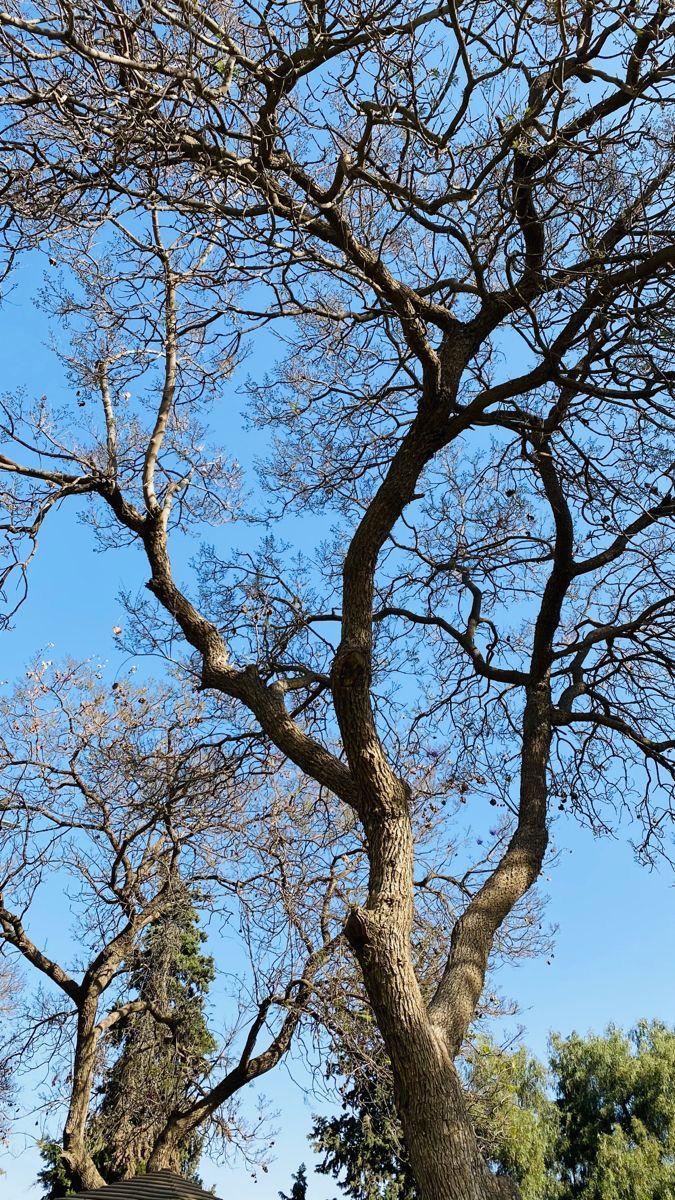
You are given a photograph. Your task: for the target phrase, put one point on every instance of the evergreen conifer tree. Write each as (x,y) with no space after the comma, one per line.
(299,1189)
(155,1064)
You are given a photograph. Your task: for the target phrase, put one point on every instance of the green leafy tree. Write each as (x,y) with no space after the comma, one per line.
(598,1123)
(514,1118)
(158,1060)
(616,1099)
(363,1146)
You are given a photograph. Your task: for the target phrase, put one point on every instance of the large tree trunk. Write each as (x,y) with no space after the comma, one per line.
(441,1144)
(423,1040)
(439,1136)
(80,1166)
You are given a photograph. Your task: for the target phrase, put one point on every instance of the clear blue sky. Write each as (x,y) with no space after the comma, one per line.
(615,949)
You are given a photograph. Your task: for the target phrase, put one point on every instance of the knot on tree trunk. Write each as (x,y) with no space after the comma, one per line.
(350,667)
(81,1171)
(358,931)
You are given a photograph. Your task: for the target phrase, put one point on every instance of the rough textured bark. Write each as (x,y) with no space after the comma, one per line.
(439,1135)
(82,1170)
(454,1004)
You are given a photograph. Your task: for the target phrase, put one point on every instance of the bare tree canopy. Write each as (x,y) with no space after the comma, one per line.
(461,218)
(133,802)
(129,802)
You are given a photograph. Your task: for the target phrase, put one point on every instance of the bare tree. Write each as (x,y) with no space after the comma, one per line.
(128,797)
(125,803)
(462,215)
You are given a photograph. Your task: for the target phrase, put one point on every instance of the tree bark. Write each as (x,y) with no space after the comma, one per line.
(80,1165)
(441,1144)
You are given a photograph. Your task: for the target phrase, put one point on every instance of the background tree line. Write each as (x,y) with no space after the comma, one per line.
(596,1121)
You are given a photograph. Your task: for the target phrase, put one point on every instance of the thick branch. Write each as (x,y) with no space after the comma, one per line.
(15,934)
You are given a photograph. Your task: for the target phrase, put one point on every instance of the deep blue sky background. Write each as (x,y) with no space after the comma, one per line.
(615,948)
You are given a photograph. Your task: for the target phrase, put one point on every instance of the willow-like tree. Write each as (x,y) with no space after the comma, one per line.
(598,1121)
(463,216)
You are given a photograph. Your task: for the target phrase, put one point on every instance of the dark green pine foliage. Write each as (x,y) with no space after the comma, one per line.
(53,1177)
(363,1147)
(155,1066)
(299,1189)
